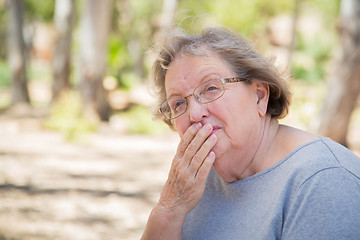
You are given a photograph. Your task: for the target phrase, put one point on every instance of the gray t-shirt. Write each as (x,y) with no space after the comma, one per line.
(313,193)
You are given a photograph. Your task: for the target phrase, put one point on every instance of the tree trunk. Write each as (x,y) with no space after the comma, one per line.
(94,30)
(64,18)
(167,16)
(344,84)
(16,52)
(294,26)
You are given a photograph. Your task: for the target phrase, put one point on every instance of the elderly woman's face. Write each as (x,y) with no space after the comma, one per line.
(235,116)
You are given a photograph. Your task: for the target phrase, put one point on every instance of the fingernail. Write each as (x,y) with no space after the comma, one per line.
(213,137)
(198,125)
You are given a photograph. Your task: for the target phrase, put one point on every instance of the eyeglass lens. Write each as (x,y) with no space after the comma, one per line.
(204,93)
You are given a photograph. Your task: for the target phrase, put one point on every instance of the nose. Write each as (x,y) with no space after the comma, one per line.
(197,111)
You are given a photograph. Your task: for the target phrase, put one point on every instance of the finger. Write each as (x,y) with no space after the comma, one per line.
(187,138)
(201,154)
(197,142)
(185,141)
(204,169)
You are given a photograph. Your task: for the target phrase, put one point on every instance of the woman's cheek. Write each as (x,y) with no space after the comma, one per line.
(181,127)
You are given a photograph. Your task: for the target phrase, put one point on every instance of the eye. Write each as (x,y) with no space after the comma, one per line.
(177,105)
(211,88)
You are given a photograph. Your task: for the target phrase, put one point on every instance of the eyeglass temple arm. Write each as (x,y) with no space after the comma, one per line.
(232,80)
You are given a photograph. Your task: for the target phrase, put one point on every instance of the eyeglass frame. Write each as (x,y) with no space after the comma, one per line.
(222,80)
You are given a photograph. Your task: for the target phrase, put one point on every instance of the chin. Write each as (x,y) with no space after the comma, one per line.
(221,169)
(219,151)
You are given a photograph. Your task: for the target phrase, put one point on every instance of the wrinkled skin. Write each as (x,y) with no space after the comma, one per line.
(189,170)
(185,185)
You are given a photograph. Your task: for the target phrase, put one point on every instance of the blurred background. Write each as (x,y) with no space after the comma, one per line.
(81,156)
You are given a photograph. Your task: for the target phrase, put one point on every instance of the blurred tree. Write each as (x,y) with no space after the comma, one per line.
(95,26)
(36,15)
(3,27)
(16,52)
(167,16)
(64,20)
(136,21)
(344,83)
(39,10)
(291,47)
(247,17)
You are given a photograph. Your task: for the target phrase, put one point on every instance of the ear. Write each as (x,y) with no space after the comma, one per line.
(262,92)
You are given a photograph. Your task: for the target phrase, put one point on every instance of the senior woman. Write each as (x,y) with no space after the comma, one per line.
(238,173)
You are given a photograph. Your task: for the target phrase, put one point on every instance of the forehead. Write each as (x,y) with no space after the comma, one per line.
(186,72)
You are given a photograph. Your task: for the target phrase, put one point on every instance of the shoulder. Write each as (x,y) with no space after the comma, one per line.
(309,156)
(343,156)
(326,201)
(326,194)
(316,151)
(312,158)
(293,138)
(323,154)
(326,173)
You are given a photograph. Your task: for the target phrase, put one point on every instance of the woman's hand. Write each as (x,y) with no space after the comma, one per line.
(189,170)
(185,184)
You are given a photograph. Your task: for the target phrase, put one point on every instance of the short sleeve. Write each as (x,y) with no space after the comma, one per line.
(326,206)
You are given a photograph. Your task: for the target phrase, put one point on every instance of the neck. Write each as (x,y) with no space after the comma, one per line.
(263,156)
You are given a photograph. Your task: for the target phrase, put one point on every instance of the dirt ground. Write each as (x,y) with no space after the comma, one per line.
(53,189)
(103,189)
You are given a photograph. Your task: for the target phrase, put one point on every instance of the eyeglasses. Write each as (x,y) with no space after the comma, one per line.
(204,93)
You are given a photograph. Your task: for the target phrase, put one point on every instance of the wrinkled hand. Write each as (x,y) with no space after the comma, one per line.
(189,170)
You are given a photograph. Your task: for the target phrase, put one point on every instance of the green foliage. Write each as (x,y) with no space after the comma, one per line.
(134,24)
(128,80)
(40,10)
(328,9)
(3,26)
(311,58)
(133,27)
(120,64)
(139,120)
(247,17)
(118,54)
(5,74)
(68,118)
(306,101)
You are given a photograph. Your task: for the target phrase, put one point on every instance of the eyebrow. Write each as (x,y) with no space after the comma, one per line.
(203,79)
